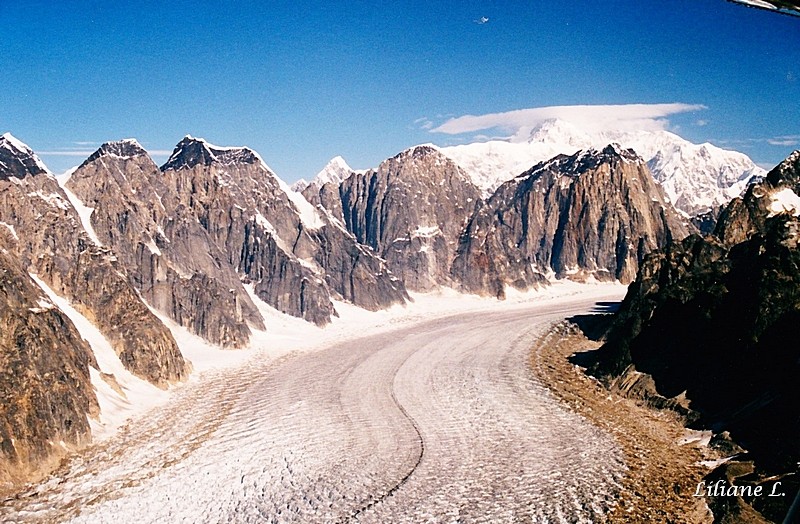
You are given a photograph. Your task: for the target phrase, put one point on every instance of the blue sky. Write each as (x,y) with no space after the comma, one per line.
(301,82)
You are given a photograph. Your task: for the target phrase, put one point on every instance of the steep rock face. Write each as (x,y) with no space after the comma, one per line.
(169,256)
(45,389)
(328,197)
(714,319)
(593,213)
(411,211)
(48,237)
(273,236)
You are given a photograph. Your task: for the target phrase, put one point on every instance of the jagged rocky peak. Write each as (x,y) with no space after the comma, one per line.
(426,161)
(787,172)
(583,161)
(193,151)
(17,159)
(275,239)
(776,194)
(170,259)
(334,172)
(126,148)
(411,211)
(594,213)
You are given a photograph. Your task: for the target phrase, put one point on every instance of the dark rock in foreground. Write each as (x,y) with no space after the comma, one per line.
(714,320)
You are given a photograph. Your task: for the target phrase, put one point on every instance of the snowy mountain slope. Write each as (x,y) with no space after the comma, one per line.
(695,177)
(335,171)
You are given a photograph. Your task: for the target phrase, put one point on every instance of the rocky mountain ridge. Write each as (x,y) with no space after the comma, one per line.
(123,236)
(724,306)
(410,210)
(596,214)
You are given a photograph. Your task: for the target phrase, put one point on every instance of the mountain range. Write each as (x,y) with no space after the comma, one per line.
(207,237)
(696,178)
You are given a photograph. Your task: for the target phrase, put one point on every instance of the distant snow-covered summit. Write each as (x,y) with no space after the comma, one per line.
(335,171)
(696,177)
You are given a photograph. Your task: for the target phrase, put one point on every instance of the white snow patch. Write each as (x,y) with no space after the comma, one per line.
(53,199)
(16,143)
(84,212)
(151,245)
(693,436)
(64,177)
(712,464)
(11,229)
(784,201)
(426,231)
(115,409)
(308,214)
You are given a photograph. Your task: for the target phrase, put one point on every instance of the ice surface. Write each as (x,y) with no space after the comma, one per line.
(424,412)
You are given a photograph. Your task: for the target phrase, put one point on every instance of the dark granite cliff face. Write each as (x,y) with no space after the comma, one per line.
(45,390)
(714,320)
(295,256)
(410,210)
(169,256)
(593,213)
(49,239)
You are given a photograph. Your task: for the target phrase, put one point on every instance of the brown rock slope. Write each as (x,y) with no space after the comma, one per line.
(169,256)
(45,390)
(50,240)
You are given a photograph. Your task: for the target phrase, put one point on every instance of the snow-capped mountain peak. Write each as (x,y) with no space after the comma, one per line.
(19,158)
(696,177)
(334,171)
(557,131)
(192,151)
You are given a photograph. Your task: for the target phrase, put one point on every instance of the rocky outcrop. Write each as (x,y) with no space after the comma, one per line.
(713,320)
(45,389)
(296,257)
(169,256)
(595,213)
(411,211)
(747,215)
(49,239)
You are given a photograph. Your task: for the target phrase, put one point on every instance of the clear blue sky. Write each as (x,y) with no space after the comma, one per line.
(301,82)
